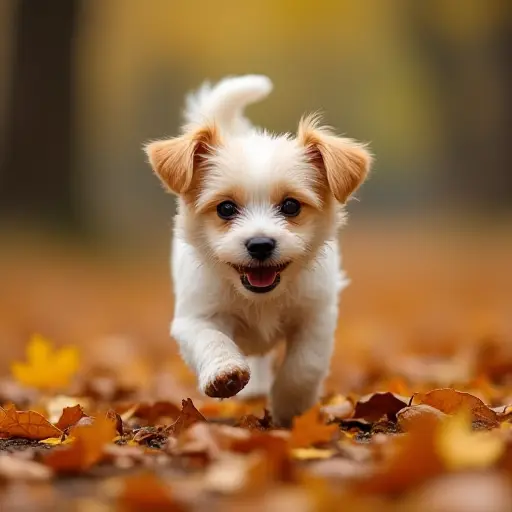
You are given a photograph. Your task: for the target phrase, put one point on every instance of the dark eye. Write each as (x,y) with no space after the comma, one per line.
(290,207)
(227,210)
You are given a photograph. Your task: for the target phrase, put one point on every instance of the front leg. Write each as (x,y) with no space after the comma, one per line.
(208,348)
(308,354)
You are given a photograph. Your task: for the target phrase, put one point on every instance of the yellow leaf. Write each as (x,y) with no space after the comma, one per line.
(311,453)
(46,368)
(310,428)
(57,441)
(460,448)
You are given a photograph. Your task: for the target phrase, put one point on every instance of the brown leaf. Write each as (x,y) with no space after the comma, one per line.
(152,413)
(146,492)
(70,416)
(26,424)
(451,401)
(310,429)
(116,420)
(252,422)
(374,407)
(408,417)
(86,450)
(188,416)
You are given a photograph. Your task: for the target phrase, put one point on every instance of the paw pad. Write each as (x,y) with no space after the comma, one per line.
(228,383)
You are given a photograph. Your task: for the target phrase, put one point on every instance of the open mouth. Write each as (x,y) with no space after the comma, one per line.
(262,278)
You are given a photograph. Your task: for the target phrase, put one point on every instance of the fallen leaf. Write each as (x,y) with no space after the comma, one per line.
(46,368)
(85,451)
(116,420)
(252,422)
(57,441)
(451,401)
(460,448)
(275,449)
(152,413)
(410,460)
(146,492)
(26,424)
(374,407)
(310,429)
(55,405)
(70,417)
(311,453)
(408,417)
(188,416)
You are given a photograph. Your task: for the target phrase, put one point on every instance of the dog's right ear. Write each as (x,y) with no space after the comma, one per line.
(176,161)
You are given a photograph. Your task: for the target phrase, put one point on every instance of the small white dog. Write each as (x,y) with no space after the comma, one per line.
(255,256)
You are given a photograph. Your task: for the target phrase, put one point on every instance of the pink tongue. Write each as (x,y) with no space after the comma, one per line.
(261,277)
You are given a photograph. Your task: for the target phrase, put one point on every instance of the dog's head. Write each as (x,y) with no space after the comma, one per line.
(260,206)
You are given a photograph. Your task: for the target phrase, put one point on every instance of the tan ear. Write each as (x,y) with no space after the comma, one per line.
(344,162)
(175,161)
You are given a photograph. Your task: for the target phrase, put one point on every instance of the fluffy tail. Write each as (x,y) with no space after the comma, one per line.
(224,102)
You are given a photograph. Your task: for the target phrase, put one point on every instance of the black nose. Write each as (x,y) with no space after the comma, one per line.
(260,247)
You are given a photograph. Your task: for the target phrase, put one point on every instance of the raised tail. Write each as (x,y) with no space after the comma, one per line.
(224,102)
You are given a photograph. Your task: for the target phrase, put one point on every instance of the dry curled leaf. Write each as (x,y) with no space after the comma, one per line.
(116,420)
(187,417)
(451,401)
(26,424)
(310,429)
(70,416)
(86,449)
(46,368)
(153,413)
(374,407)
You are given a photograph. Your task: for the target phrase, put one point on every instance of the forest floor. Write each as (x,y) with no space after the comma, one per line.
(99,413)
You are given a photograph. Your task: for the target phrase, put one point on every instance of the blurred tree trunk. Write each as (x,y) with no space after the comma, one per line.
(35,173)
(476,163)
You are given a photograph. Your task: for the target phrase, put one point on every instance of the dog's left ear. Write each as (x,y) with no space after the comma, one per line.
(176,161)
(343,162)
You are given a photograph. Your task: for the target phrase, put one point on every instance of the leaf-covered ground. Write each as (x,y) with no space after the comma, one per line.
(98,412)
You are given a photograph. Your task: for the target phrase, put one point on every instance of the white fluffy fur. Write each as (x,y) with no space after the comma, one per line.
(222,328)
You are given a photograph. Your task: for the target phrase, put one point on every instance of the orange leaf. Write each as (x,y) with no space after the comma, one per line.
(309,429)
(188,416)
(451,401)
(146,492)
(86,450)
(70,416)
(26,424)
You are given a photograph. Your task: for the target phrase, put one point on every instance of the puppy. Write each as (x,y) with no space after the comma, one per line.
(255,256)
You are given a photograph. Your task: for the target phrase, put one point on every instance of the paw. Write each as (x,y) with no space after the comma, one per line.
(227,383)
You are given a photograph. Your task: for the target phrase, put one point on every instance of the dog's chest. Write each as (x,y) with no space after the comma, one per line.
(258,329)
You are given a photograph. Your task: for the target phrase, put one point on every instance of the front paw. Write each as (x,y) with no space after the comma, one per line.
(226,383)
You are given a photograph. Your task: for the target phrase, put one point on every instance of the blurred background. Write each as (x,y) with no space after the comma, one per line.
(84,225)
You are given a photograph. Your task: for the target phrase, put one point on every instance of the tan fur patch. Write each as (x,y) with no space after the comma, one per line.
(344,162)
(177,160)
